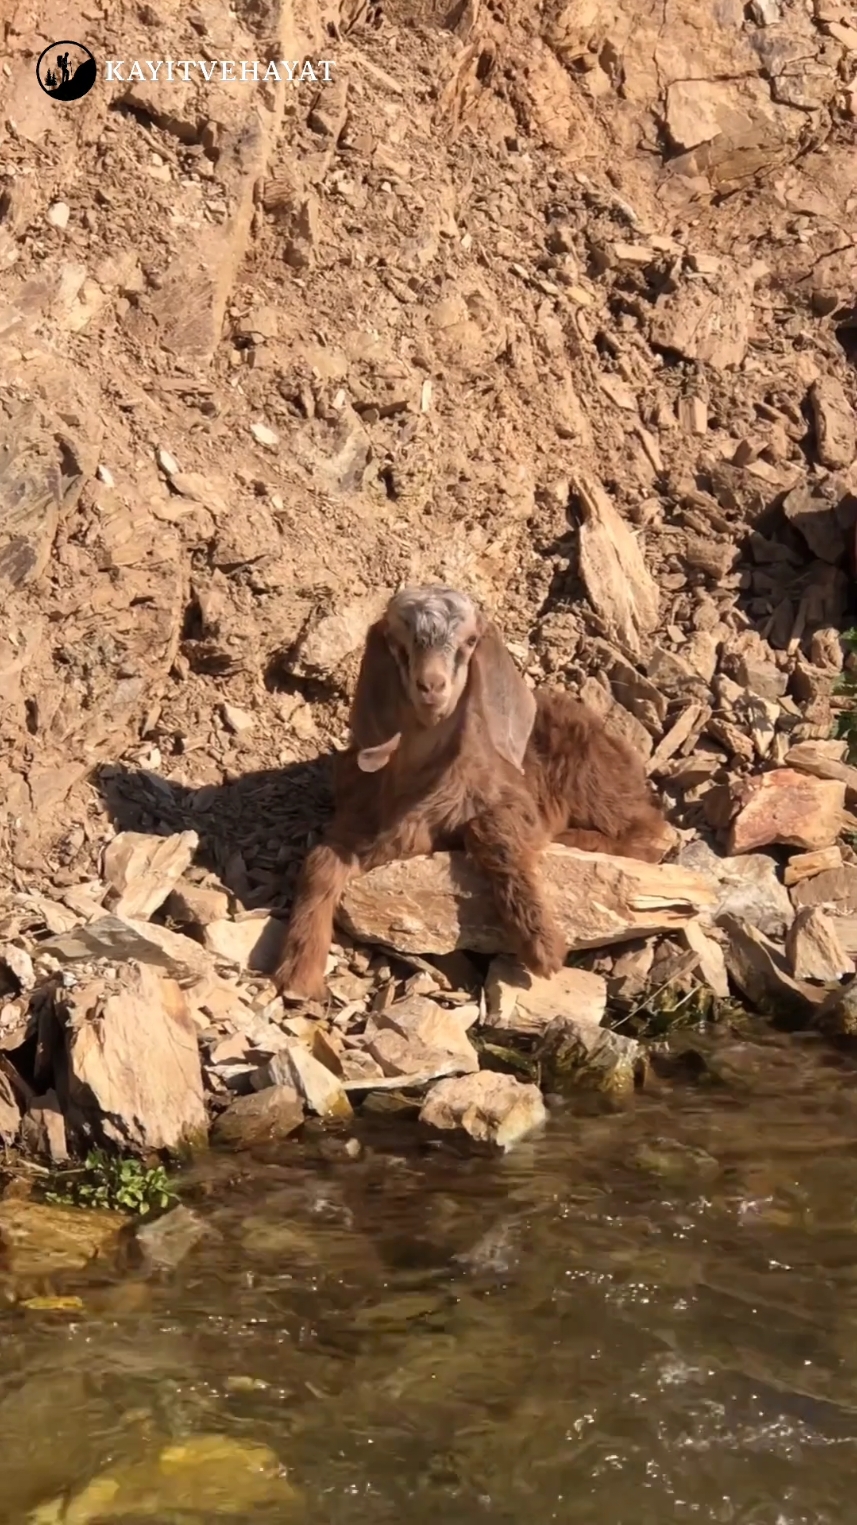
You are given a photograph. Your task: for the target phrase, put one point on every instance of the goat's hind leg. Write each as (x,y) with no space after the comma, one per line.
(504,841)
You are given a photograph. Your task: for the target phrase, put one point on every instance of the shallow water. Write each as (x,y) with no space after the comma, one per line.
(642,1317)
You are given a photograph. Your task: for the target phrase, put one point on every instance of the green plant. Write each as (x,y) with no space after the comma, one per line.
(108,1181)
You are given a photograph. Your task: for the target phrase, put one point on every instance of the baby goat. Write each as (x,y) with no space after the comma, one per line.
(451,749)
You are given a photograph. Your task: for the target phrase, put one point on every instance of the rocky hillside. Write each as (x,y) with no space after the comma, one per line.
(555,302)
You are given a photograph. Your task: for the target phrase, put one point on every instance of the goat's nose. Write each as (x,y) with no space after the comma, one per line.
(432,690)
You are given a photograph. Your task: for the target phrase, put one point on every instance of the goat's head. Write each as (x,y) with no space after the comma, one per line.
(432,633)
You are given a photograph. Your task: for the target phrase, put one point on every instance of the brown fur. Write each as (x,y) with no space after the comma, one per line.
(448,787)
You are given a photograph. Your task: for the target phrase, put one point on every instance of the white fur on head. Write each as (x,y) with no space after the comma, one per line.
(432,632)
(430,618)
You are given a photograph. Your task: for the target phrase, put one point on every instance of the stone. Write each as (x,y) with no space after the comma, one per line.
(813,948)
(238,721)
(43,1129)
(408,1057)
(196,905)
(439,903)
(10,1113)
(813,513)
(834,887)
(803,866)
(492,1108)
(747,887)
(834,423)
(701,325)
(132,1067)
(166,1242)
(34,490)
(807,757)
(142,870)
(523,1003)
(250,944)
(327,641)
(211,492)
(265,436)
(711,962)
(580,1055)
(227,1477)
(618,582)
(58,214)
(120,939)
(321,1090)
(329,111)
(758,968)
(438,1028)
(836,1016)
(20,966)
(786,807)
(264,1117)
(39,1240)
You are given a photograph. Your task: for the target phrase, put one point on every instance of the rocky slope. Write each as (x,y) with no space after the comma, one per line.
(553,302)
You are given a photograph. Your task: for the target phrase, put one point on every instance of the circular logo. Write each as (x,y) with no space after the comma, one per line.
(66,71)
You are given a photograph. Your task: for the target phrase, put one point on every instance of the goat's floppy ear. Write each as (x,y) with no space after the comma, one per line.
(508,705)
(378,697)
(372,759)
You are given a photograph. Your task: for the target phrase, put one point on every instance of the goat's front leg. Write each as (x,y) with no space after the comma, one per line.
(325,873)
(504,840)
(322,882)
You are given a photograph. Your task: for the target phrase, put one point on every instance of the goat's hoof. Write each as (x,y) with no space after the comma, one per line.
(290,982)
(545,955)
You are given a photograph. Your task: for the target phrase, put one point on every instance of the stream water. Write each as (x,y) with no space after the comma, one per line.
(641,1317)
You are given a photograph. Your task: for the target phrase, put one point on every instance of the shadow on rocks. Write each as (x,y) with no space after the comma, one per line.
(253,832)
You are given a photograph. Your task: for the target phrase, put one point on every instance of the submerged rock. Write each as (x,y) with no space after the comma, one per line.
(165,1243)
(264,1117)
(205,1475)
(37,1239)
(576,1055)
(837,1015)
(492,1108)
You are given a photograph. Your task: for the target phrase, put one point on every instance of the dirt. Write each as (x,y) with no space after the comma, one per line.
(267,350)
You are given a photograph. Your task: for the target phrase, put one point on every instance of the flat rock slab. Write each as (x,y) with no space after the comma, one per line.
(760,971)
(523,1003)
(747,887)
(620,586)
(119,938)
(786,807)
(141,870)
(443,902)
(132,1061)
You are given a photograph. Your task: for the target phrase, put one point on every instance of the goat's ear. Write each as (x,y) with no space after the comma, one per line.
(378,697)
(508,705)
(373,759)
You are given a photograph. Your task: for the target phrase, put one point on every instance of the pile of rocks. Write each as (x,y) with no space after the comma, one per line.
(135,1009)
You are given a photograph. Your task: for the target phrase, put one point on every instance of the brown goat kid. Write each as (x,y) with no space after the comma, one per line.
(450,749)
